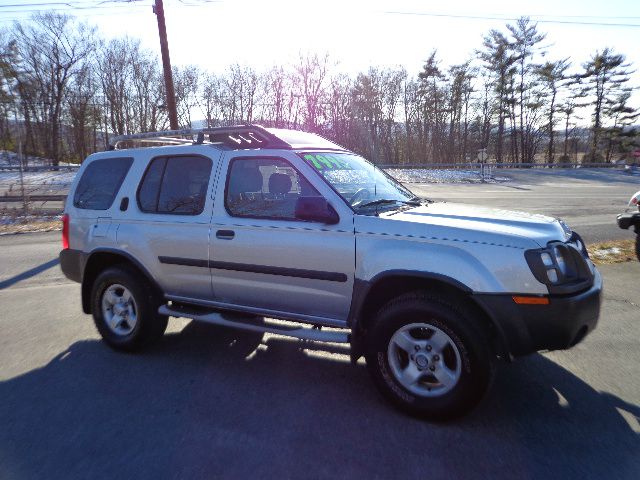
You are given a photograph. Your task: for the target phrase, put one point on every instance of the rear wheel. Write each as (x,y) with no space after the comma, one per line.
(125,309)
(428,357)
(638,246)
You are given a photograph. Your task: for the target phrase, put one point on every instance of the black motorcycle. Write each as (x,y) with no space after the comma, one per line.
(632,218)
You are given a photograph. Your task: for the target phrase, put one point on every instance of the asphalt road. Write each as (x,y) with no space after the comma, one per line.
(587,199)
(214,403)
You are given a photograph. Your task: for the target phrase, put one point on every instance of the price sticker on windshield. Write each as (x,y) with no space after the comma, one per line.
(324,161)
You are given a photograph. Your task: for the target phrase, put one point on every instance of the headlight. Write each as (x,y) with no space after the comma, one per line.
(579,243)
(549,263)
(560,266)
(566,229)
(560,260)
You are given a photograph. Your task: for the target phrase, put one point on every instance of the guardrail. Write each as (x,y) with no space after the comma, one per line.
(39,168)
(476,166)
(32,198)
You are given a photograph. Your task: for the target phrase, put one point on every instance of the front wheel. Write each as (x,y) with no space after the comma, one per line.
(638,246)
(125,309)
(429,358)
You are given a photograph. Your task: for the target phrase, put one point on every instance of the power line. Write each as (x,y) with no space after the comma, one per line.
(602,17)
(92,8)
(486,17)
(90,4)
(72,4)
(93,11)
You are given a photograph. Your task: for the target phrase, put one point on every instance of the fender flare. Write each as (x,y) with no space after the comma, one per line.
(362,288)
(88,285)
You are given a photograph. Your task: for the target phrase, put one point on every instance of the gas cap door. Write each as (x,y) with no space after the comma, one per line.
(101,227)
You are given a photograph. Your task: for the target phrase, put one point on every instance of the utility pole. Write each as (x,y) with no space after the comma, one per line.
(158,9)
(25,206)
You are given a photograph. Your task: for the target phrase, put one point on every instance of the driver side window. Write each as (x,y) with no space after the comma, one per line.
(265,188)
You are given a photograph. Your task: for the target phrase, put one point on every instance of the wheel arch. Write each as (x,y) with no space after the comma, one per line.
(100,259)
(370,296)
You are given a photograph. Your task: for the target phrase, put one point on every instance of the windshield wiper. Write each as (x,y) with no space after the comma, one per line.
(383,201)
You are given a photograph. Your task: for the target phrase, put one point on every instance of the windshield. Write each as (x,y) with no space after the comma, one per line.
(360,183)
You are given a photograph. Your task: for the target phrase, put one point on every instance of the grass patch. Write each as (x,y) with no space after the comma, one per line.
(619,251)
(16,224)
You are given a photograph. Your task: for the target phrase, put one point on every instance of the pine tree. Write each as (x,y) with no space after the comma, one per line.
(604,77)
(553,77)
(499,60)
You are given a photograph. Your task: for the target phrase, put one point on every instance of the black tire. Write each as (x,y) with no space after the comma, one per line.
(638,246)
(149,327)
(476,359)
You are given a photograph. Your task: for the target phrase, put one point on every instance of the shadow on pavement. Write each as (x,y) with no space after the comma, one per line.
(32,272)
(210,403)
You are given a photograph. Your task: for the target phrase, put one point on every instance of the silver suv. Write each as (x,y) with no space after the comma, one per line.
(284,232)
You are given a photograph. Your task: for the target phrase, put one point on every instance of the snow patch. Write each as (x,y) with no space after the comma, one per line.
(10,159)
(428,175)
(607,252)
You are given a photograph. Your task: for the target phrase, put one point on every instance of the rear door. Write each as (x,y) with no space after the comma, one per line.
(265,258)
(167,225)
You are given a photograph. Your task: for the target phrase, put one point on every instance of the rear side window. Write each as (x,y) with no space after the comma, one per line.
(100,183)
(150,187)
(175,185)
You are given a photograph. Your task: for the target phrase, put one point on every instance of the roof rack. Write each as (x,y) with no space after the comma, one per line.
(235,137)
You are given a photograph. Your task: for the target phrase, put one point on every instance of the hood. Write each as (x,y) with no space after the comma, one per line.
(470,223)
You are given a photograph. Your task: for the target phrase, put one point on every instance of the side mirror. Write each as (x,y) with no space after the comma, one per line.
(316,209)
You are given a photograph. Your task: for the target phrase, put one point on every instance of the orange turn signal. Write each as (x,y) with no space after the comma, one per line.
(531,300)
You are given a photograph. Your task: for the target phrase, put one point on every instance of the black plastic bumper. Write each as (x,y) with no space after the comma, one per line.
(72,264)
(561,324)
(626,220)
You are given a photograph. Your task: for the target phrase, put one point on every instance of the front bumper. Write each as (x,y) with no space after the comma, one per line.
(561,324)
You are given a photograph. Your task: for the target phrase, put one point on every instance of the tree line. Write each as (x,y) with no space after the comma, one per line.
(64,91)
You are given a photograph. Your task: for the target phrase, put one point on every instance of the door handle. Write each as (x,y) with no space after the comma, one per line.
(225,234)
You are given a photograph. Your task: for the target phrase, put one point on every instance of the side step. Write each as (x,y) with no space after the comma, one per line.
(254,325)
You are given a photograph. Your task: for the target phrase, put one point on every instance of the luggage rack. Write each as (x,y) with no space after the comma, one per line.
(236,137)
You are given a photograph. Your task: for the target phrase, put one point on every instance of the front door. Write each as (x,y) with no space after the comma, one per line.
(263,257)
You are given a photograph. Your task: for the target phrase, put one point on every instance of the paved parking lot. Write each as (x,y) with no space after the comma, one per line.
(215,403)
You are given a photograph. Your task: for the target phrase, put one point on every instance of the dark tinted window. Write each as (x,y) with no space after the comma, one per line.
(150,187)
(176,185)
(267,188)
(100,183)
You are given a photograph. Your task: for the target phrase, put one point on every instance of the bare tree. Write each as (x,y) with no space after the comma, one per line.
(311,77)
(50,49)
(115,59)
(186,81)
(82,114)
(339,108)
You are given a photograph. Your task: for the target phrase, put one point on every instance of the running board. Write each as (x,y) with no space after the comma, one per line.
(250,323)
